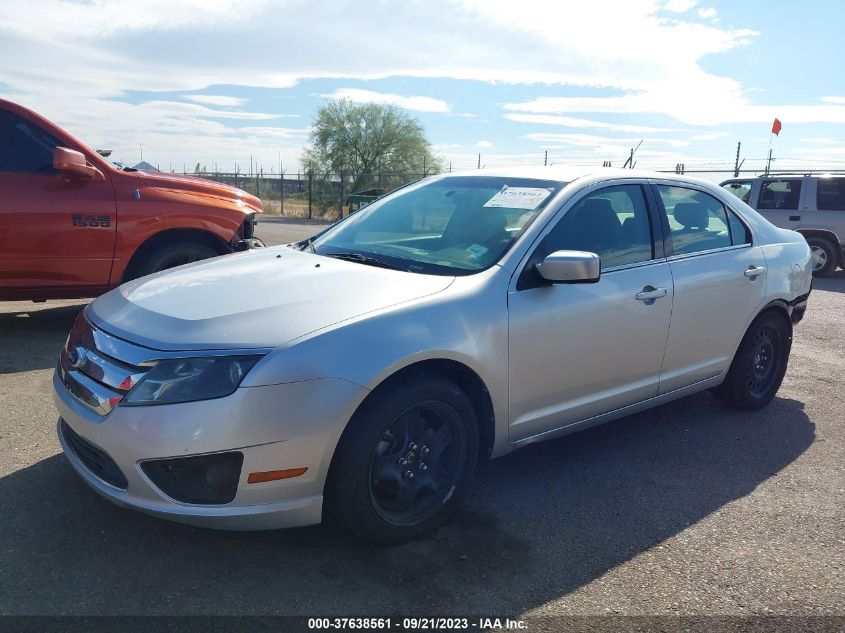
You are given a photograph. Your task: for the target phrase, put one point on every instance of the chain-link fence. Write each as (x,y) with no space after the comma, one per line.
(327,195)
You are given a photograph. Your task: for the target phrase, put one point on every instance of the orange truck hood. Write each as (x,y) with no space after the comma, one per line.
(164,180)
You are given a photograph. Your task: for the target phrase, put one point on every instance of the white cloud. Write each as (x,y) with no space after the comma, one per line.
(216,100)
(679,6)
(591,140)
(483,144)
(419,104)
(76,62)
(549,119)
(710,101)
(707,13)
(708,136)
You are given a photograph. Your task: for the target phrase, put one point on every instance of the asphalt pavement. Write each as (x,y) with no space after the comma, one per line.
(688,509)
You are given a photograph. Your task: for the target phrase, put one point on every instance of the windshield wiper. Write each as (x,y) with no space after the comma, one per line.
(366,259)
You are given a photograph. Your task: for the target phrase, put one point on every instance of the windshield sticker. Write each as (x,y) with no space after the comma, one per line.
(518,198)
(477,250)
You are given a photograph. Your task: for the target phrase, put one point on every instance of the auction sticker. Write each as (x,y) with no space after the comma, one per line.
(518,198)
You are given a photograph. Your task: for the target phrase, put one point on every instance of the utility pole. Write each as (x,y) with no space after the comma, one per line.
(546,159)
(629,164)
(479,161)
(142,153)
(310,191)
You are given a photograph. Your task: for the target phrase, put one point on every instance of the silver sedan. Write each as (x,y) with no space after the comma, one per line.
(362,374)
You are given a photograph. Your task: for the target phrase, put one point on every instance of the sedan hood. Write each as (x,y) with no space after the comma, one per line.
(261,298)
(164,180)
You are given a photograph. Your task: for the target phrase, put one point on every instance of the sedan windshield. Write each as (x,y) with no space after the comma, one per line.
(453,225)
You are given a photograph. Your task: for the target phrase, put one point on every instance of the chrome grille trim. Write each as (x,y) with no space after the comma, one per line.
(90,393)
(103,369)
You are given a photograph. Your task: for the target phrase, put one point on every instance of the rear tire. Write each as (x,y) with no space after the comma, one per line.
(172,255)
(405,460)
(757,370)
(825,256)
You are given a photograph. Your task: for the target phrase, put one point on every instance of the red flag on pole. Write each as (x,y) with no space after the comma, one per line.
(776,126)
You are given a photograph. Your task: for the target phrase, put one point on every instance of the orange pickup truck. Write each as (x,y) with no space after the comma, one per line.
(74,225)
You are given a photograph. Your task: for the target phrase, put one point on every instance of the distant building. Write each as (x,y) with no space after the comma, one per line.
(145,166)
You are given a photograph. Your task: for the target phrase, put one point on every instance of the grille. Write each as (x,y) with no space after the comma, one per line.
(248,227)
(94,459)
(98,379)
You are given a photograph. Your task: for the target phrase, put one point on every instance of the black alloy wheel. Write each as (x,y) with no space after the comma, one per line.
(417,463)
(405,460)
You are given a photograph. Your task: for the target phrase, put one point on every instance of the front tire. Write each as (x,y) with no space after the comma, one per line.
(824,256)
(172,255)
(405,460)
(759,365)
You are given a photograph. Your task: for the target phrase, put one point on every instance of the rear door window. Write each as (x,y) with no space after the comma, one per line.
(697,221)
(780,194)
(830,194)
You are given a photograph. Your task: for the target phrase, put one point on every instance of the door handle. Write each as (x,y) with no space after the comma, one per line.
(794,218)
(754,271)
(650,293)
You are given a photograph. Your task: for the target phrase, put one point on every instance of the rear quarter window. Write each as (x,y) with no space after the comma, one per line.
(830,194)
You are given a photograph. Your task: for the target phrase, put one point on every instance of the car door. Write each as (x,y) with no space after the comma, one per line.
(780,201)
(56,230)
(719,278)
(580,350)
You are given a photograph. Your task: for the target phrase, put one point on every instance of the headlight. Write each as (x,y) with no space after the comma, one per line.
(189,379)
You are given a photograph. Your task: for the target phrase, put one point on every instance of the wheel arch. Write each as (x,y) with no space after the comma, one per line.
(465,378)
(172,236)
(777,306)
(828,235)
(781,307)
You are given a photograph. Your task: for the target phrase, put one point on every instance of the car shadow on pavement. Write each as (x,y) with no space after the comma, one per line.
(835,282)
(40,332)
(539,524)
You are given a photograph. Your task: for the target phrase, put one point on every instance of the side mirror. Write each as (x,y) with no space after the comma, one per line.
(569,267)
(72,162)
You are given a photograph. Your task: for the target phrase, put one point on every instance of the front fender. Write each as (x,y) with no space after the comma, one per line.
(467,323)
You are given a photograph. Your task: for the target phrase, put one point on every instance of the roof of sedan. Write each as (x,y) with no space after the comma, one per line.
(565,173)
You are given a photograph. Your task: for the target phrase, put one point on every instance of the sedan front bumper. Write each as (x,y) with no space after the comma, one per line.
(275,427)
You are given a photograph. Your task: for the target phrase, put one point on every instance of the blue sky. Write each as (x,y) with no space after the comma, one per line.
(220,81)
